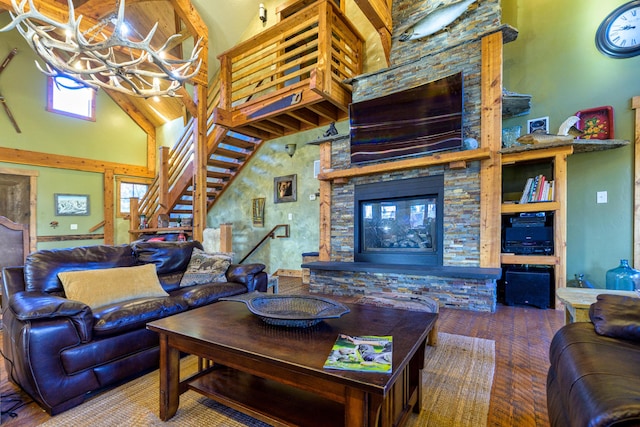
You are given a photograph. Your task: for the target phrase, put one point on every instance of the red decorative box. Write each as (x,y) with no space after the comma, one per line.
(596,123)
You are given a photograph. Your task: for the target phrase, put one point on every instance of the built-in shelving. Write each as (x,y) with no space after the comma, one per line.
(554,156)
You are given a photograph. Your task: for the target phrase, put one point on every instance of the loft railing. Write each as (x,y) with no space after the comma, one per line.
(317,38)
(271,234)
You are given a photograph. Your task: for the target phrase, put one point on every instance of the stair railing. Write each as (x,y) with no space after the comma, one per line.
(271,234)
(180,158)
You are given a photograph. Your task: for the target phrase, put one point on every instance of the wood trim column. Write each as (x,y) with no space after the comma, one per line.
(109,202)
(163,180)
(560,221)
(200,165)
(491,137)
(325,204)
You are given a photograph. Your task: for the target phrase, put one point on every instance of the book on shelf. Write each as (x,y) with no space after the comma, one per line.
(365,353)
(537,189)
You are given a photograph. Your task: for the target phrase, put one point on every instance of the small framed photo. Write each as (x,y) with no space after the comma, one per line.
(257,210)
(540,124)
(285,189)
(71,204)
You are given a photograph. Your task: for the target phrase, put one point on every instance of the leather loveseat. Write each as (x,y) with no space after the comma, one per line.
(59,350)
(594,378)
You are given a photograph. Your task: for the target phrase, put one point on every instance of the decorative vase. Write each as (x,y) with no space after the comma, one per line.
(623,277)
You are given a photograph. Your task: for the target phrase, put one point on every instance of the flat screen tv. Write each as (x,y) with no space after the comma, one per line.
(413,122)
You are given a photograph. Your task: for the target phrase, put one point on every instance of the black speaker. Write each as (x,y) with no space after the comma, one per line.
(528,287)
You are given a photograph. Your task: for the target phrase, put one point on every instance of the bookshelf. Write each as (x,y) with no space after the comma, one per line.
(517,167)
(550,160)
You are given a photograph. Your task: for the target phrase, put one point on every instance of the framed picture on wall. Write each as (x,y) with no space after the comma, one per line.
(541,124)
(71,204)
(257,210)
(285,189)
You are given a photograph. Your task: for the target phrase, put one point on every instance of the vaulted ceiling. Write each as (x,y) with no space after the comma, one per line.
(223,23)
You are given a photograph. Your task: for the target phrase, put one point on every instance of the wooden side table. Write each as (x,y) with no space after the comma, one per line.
(578,300)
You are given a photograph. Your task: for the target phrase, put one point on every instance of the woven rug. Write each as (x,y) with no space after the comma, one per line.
(457,386)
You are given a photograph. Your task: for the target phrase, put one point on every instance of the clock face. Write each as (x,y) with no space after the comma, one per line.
(619,34)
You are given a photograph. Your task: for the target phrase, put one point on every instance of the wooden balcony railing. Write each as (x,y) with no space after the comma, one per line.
(299,63)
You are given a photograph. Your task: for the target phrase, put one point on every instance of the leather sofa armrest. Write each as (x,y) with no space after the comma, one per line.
(28,306)
(616,316)
(12,281)
(250,275)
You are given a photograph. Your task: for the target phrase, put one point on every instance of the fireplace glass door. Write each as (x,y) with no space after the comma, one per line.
(405,225)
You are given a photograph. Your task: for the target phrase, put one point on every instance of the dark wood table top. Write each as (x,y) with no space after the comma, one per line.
(231,327)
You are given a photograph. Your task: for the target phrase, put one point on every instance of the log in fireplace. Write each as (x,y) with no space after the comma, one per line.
(400,222)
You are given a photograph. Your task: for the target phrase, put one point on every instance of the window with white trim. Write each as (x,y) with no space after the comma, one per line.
(67,97)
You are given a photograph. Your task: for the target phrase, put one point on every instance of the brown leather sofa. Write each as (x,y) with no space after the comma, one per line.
(594,378)
(59,350)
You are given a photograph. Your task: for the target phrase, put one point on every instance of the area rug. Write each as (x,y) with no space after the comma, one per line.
(457,386)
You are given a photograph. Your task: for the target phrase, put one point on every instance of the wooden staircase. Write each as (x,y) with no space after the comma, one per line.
(287,79)
(171,192)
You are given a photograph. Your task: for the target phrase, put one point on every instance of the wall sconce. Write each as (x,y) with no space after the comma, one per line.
(263,13)
(290,149)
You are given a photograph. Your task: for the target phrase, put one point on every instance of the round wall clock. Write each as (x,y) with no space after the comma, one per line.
(619,34)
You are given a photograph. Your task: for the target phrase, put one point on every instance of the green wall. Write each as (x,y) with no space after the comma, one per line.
(256,180)
(113,137)
(555,60)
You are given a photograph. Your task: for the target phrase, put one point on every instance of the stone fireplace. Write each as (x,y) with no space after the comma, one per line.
(435,249)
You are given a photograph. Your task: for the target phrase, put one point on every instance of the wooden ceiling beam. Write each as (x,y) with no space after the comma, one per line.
(378,12)
(192,19)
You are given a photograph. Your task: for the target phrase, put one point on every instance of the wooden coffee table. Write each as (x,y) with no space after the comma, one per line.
(276,374)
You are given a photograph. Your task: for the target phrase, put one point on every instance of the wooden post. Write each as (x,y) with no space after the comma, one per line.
(560,221)
(226,82)
(325,14)
(108,204)
(324,253)
(134,217)
(491,137)
(226,244)
(200,159)
(163,181)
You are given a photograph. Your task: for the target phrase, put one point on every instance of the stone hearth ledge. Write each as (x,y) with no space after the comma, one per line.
(477,273)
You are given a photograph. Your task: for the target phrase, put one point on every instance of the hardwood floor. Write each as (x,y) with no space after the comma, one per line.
(518,396)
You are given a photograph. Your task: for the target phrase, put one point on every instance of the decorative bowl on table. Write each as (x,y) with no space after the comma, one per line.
(299,311)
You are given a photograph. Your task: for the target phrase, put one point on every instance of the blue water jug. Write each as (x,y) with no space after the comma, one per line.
(623,277)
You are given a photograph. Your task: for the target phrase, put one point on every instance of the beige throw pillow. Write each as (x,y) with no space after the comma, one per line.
(205,268)
(100,287)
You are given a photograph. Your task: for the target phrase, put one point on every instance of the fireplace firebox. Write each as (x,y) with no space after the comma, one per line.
(400,222)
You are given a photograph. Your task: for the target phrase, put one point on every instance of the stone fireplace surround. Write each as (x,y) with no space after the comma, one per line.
(459,282)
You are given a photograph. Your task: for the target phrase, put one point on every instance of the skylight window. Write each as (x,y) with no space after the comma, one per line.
(66,97)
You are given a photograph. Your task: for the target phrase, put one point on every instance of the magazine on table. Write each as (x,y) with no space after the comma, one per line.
(364,353)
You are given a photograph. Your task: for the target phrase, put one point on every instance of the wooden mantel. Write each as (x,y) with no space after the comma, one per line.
(456,160)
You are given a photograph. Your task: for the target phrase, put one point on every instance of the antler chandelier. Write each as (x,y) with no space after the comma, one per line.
(103,56)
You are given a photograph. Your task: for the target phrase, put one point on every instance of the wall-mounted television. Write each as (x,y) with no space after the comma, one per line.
(413,122)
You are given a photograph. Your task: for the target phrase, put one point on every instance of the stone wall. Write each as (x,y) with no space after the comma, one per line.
(458,293)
